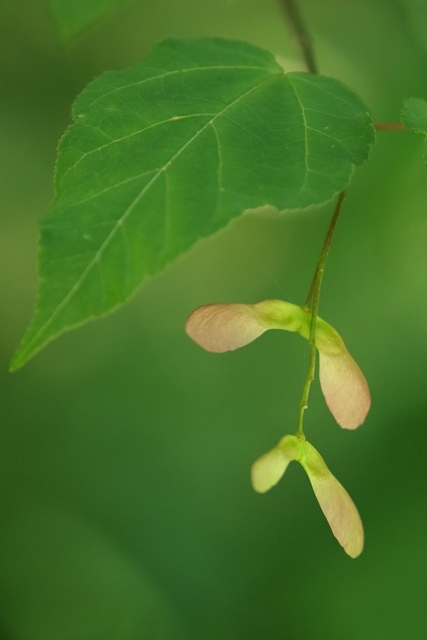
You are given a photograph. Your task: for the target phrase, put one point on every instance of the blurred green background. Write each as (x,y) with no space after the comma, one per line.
(126,507)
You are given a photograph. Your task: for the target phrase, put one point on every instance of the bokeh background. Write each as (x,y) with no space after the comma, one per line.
(126,511)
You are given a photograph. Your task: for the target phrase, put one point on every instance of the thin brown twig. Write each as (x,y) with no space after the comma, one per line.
(303,36)
(389,126)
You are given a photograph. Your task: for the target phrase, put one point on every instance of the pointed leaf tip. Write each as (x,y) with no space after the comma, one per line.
(336,504)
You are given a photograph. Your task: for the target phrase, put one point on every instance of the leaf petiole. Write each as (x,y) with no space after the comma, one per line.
(389,126)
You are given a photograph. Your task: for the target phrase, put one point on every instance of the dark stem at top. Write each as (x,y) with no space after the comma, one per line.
(293,16)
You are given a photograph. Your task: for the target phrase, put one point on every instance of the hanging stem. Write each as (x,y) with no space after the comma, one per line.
(312,305)
(293,15)
(303,36)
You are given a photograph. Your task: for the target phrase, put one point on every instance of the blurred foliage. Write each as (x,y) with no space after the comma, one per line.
(127,510)
(415,14)
(73,17)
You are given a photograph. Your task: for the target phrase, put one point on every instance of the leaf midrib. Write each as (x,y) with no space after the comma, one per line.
(131,207)
(129,135)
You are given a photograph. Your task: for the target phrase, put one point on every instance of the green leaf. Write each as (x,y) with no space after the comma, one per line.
(414,117)
(170,151)
(73,16)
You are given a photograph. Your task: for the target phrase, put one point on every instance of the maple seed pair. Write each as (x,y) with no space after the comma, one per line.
(225,327)
(337,506)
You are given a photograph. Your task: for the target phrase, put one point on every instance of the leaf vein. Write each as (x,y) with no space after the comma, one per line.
(130,135)
(307,168)
(219,172)
(176,72)
(132,206)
